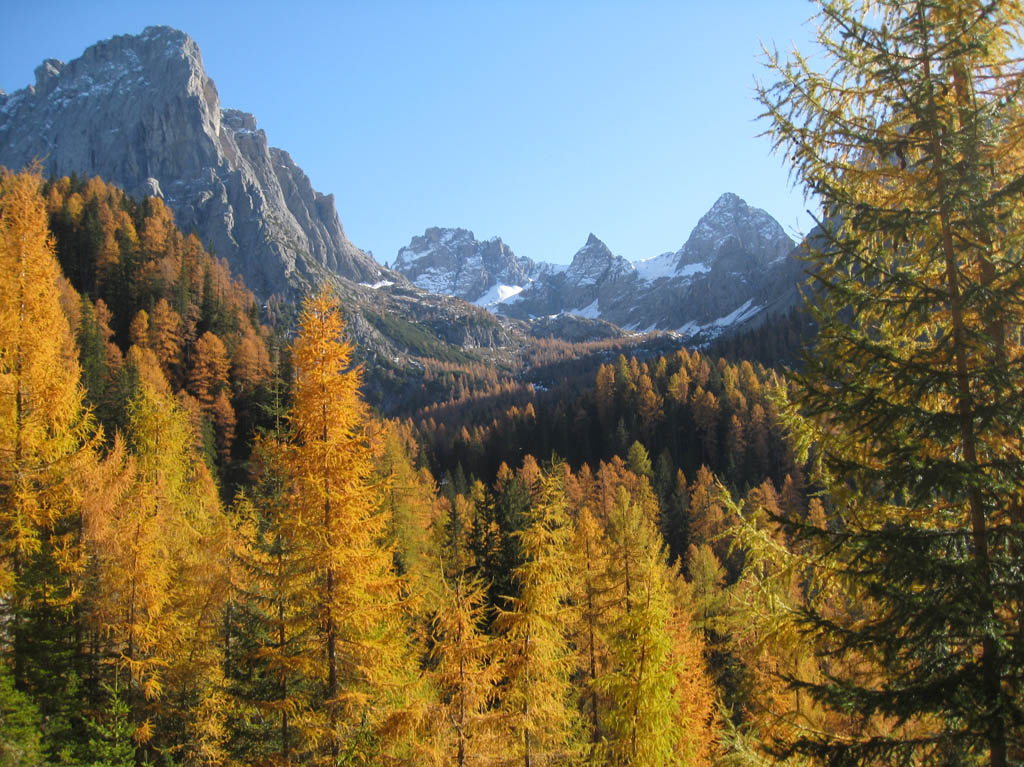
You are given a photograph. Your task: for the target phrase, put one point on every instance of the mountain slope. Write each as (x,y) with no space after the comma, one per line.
(140,111)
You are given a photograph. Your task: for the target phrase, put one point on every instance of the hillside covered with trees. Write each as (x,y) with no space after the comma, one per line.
(213,551)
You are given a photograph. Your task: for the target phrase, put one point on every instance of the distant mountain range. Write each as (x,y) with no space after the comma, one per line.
(736,265)
(141,112)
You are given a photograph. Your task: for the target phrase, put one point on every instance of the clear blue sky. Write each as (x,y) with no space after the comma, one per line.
(538,122)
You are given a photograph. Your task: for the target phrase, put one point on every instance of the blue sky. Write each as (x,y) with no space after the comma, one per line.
(538,122)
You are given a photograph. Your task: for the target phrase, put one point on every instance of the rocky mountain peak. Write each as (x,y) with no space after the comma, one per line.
(452,261)
(140,111)
(735,237)
(595,262)
(592,253)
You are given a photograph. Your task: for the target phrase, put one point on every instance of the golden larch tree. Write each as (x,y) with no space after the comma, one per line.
(47,442)
(537,694)
(43,425)
(335,513)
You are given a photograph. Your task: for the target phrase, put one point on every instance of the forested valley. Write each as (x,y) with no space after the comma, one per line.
(214,551)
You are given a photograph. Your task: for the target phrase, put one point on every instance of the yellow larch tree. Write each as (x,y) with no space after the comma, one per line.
(47,441)
(592,594)
(161,554)
(43,425)
(465,670)
(209,372)
(165,332)
(536,699)
(335,513)
(642,717)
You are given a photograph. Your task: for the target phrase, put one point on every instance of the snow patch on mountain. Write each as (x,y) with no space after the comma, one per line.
(651,269)
(743,312)
(499,294)
(591,311)
(453,262)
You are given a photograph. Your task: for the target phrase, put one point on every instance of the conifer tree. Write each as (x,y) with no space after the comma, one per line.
(42,422)
(911,139)
(409,501)
(592,594)
(161,581)
(20,736)
(466,671)
(334,511)
(46,452)
(273,659)
(110,734)
(536,693)
(642,721)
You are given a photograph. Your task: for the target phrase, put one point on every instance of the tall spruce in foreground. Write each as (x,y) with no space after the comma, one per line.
(911,139)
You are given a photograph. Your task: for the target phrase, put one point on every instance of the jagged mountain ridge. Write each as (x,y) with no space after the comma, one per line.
(453,262)
(736,267)
(141,112)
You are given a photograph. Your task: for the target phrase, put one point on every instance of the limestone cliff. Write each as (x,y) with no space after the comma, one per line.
(141,112)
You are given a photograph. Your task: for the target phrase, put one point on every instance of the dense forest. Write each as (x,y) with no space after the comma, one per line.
(213,551)
(334,606)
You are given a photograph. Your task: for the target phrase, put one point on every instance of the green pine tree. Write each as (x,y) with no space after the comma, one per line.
(110,734)
(910,137)
(20,737)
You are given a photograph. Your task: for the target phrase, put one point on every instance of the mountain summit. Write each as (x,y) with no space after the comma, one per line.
(733,235)
(735,267)
(453,262)
(141,112)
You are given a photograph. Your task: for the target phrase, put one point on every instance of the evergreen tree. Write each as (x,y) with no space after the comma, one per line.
(110,734)
(642,720)
(916,387)
(272,661)
(20,737)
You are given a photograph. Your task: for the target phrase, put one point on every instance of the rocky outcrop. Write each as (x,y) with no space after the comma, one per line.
(141,112)
(453,262)
(734,237)
(594,282)
(736,268)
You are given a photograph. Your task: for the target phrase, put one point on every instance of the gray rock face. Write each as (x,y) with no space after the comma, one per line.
(595,281)
(140,111)
(736,268)
(453,262)
(733,236)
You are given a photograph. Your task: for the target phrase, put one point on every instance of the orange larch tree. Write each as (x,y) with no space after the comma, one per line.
(47,441)
(334,515)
